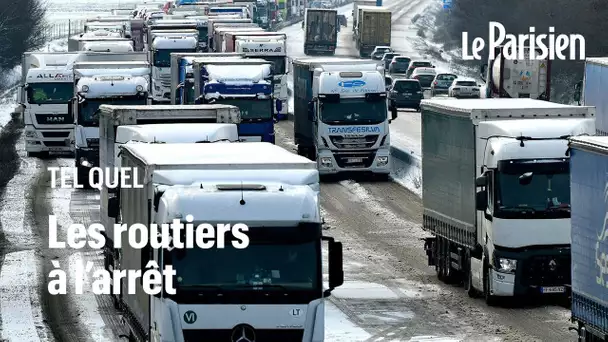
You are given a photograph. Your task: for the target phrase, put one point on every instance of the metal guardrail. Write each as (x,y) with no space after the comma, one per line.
(64,29)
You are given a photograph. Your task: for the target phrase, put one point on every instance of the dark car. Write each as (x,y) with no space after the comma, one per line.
(441,83)
(417,64)
(387,58)
(405,93)
(399,65)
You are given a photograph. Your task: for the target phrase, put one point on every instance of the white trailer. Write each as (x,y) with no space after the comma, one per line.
(229,183)
(111,117)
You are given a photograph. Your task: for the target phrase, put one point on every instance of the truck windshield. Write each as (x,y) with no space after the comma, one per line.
(50,93)
(354,111)
(251,109)
(536,191)
(273,262)
(162,57)
(202,34)
(87,111)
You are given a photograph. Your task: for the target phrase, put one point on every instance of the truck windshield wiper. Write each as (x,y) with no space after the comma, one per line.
(558,208)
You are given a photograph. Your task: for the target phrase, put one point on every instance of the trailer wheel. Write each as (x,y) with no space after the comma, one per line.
(439,264)
(489,298)
(468,277)
(448,276)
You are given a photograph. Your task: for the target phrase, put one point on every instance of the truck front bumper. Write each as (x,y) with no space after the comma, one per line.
(48,140)
(538,272)
(333,162)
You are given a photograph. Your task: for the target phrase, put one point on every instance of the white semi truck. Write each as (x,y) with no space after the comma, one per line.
(97,83)
(160,57)
(527,78)
(274,50)
(496,193)
(245,293)
(111,117)
(340,115)
(44,94)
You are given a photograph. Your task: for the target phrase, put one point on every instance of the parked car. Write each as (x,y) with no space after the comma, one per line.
(379,51)
(388,82)
(442,82)
(464,87)
(425,76)
(405,93)
(417,64)
(387,58)
(399,65)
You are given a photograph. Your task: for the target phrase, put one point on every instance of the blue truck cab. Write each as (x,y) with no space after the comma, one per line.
(245,83)
(589,231)
(181,73)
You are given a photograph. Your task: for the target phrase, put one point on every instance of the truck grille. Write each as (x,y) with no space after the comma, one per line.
(55,143)
(261,335)
(55,134)
(353,143)
(165,81)
(93,142)
(354,160)
(546,270)
(54,119)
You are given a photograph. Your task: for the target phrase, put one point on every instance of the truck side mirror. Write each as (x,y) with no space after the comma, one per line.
(311,111)
(336,264)
(481,181)
(113,207)
(393,113)
(481,200)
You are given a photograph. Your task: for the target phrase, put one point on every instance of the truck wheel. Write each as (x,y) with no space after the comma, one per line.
(489,298)
(439,264)
(448,276)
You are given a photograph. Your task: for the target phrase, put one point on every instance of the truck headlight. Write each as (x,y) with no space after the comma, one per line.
(381,161)
(326,161)
(156,87)
(30,134)
(139,88)
(506,265)
(84,88)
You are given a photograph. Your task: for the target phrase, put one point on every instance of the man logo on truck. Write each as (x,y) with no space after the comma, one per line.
(351,84)
(190,317)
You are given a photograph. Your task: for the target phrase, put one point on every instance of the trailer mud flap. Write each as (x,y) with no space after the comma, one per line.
(429,248)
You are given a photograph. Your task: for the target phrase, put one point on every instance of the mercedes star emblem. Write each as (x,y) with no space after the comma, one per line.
(552,265)
(243,333)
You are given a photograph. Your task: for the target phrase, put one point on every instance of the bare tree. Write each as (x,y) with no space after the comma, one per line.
(22,28)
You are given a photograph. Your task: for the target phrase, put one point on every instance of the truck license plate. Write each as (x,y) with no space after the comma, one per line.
(354,160)
(553,289)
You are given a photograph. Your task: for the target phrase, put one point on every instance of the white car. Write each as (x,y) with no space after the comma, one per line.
(464,87)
